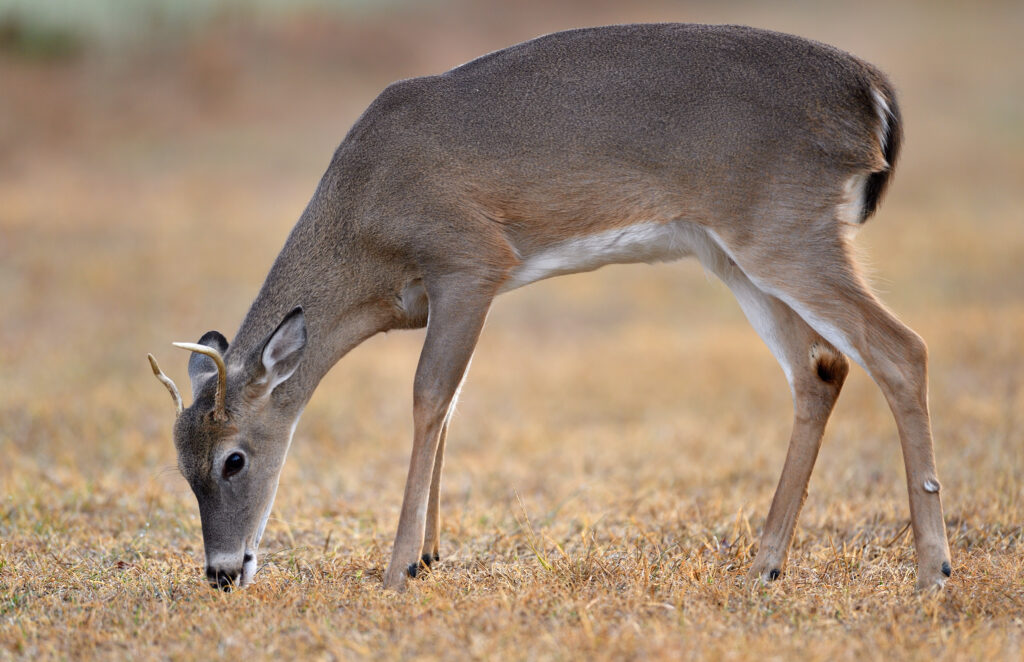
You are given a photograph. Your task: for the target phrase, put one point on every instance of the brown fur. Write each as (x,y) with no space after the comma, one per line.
(830,365)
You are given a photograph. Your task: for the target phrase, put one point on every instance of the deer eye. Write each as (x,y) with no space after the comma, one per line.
(233,464)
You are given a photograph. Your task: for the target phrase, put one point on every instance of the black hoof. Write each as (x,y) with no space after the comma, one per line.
(773,574)
(946,570)
(413,569)
(429,558)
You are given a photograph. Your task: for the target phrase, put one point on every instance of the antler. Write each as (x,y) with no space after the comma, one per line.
(220,411)
(175,395)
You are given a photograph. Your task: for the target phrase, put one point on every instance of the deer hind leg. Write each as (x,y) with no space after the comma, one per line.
(815,371)
(457,313)
(813,272)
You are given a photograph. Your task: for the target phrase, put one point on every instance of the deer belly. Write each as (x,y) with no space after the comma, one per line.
(642,242)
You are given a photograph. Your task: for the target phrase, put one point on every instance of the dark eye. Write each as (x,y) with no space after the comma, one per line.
(233,464)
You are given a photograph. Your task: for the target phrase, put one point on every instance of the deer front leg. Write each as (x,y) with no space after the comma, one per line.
(432,539)
(457,315)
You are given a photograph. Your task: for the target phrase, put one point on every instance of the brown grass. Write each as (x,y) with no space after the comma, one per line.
(618,441)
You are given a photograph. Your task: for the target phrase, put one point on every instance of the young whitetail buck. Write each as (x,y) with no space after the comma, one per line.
(759,153)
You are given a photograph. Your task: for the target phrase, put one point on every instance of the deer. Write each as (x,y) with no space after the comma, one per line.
(758,153)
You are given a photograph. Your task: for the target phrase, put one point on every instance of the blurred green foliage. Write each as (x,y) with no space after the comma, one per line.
(60,28)
(36,40)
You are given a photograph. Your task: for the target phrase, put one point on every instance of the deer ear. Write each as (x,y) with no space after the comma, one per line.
(282,351)
(201,367)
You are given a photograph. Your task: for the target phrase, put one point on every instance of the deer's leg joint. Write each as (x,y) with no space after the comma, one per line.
(830,366)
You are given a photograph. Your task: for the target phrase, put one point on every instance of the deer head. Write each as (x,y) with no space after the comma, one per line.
(233,439)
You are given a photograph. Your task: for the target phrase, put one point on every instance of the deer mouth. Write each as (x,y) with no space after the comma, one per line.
(249,567)
(224,572)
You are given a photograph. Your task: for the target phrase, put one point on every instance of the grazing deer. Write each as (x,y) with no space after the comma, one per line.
(756,152)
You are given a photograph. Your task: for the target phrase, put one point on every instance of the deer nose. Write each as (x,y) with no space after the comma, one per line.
(224,580)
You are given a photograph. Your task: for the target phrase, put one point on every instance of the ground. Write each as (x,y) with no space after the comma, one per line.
(618,440)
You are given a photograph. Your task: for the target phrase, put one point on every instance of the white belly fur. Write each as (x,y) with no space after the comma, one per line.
(642,242)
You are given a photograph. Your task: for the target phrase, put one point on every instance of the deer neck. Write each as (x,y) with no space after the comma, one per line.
(341,294)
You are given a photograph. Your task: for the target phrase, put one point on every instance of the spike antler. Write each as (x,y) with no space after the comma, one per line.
(220,410)
(175,395)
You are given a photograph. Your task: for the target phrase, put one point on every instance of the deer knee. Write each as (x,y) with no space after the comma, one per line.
(429,406)
(431,401)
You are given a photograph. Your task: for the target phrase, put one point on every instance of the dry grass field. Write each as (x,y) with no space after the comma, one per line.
(619,438)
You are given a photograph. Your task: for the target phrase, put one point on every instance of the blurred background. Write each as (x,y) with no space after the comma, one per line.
(154,155)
